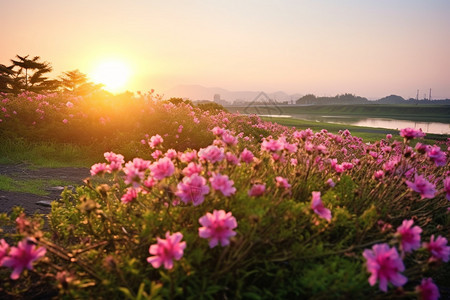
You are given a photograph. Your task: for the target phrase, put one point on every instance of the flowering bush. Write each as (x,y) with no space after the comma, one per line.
(285,213)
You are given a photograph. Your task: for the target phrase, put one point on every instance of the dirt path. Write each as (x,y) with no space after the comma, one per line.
(34,203)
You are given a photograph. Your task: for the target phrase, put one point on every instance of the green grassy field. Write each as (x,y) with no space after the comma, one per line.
(419,113)
(31,186)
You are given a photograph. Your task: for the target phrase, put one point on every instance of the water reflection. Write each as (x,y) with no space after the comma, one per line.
(428,127)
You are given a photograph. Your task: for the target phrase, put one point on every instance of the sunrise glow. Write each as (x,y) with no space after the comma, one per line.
(113,74)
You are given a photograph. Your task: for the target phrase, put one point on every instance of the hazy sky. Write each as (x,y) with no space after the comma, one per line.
(369,48)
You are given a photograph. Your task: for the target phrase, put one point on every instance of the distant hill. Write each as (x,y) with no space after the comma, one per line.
(201,93)
(198,92)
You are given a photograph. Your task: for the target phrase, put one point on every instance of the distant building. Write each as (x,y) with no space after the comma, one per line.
(220,101)
(216,98)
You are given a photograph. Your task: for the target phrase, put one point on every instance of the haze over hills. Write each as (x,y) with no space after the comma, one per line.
(201,93)
(198,92)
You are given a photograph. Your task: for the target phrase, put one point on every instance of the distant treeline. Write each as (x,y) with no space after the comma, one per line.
(352,99)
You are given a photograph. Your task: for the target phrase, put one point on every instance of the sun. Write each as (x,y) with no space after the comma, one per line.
(113,74)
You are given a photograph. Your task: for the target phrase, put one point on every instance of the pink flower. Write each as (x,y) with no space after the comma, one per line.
(69,104)
(331,183)
(135,171)
(130,195)
(438,248)
(437,156)
(166,250)
(282,182)
(318,207)
(231,158)
(272,145)
(223,183)
(378,174)
(217,227)
(247,156)
(409,236)
(192,188)
(218,131)
(229,139)
(155,141)
(22,257)
(192,168)
(115,161)
(447,188)
(65,121)
(188,156)
(294,161)
(427,290)
(257,190)
(411,133)
(4,249)
(422,186)
(385,265)
(162,168)
(212,154)
(99,168)
(171,153)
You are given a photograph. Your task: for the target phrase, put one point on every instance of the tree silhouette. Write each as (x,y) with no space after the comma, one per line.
(78,83)
(6,78)
(30,75)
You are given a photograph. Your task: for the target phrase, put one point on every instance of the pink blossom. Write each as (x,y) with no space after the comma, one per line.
(411,133)
(385,265)
(130,195)
(217,227)
(212,154)
(192,168)
(257,190)
(378,174)
(331,183)
(166,250)
(4,250)
(427,290)
(135,171)
(155,141)
(65,121)
(115,160)
(437,156)
(231,158)
(318,207)
(272,145)
(22,257)
(223,183)
(294,161)
(229,139)
(388,136)
(422,186)
(247,156)
(180,129)
(218,131)
(149,182)
(99,168)
(438,248)
(447,188)
(156,154)
(162,168)
(409,236)
(282,182)
(192,188)
(69,104)
(171,153)
(188,156)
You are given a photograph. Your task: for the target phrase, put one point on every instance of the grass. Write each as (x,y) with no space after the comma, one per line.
(30,186)
(46,154)
(368,134)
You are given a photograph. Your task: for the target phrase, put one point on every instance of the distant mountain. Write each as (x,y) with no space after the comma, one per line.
(198,92)
(392,99)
